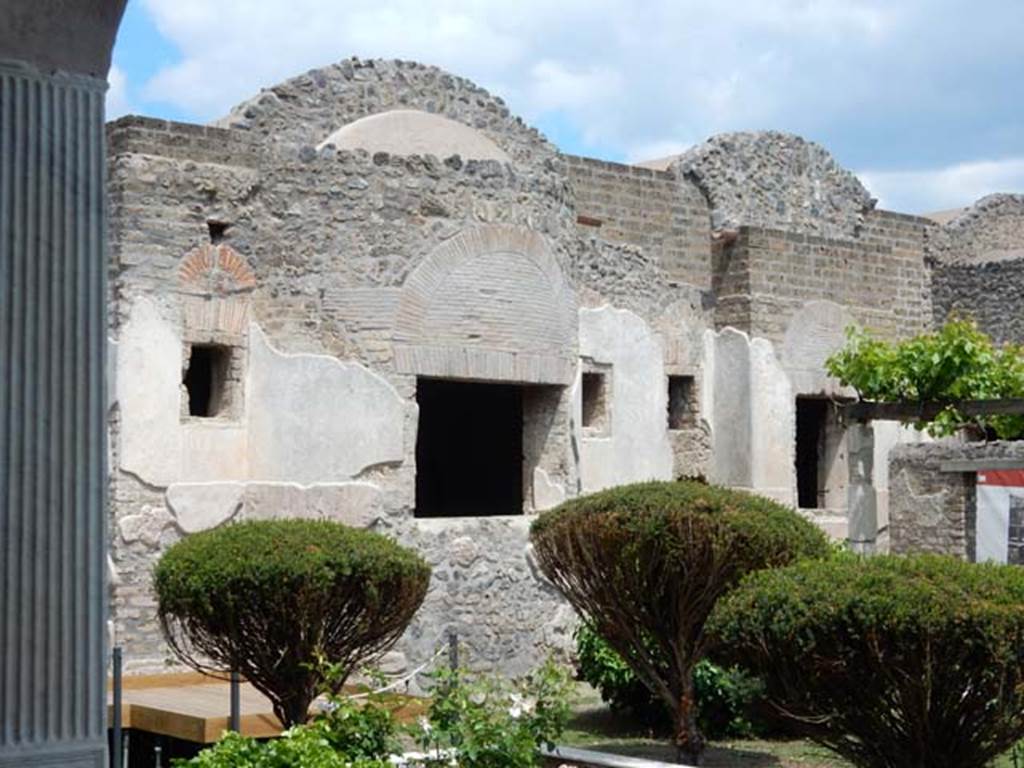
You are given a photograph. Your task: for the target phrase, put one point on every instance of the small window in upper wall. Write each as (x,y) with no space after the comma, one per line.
(682,410)
(206,380)
(595,400)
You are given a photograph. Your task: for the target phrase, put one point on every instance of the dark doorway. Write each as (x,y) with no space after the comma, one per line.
(811,416)
(469,449)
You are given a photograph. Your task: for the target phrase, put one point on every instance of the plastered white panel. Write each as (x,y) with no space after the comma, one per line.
(637,446)
(155,444)
(198,506)
(314,418)
(414,132)
(773,421)
(355,503)
(727,388)
(816,330)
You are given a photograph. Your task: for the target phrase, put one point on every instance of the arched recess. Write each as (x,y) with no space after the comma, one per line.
(489,304)
(415,132)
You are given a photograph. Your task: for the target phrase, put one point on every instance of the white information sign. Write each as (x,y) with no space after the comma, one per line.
(1000,519)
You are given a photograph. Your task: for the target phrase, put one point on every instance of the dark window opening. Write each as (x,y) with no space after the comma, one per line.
(681,408)
(811,416)
(206,379)
(217,229)
(594,397)
(469,449)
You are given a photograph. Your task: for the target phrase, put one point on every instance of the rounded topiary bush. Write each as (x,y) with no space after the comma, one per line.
(645,564)
(272,599)
(893,662)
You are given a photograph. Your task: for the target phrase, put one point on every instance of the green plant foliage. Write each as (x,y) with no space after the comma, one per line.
(487,721)
(645,564)
(270,597)
(304,746)
(958,362)
(724,696)
(893,662)
(363,729)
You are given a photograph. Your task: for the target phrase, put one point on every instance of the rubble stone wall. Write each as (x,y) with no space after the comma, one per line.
(931,510)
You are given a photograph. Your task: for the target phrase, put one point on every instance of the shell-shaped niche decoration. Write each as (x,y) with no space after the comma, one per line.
(217,283)
(216,270)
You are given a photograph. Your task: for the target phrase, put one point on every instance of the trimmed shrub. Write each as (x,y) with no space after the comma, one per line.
(271,598)
(645,564)
(725,697)
(892,662)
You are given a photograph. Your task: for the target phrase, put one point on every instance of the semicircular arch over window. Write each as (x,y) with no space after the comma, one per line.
(490,304)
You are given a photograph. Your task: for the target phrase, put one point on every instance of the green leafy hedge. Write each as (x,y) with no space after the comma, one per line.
(645,564)
(270,598)
(889,661)
(958,362)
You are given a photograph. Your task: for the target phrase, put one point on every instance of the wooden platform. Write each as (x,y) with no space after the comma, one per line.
(196,708)
(191,707)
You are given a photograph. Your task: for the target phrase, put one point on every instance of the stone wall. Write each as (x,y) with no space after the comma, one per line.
(931,510)
(979,266)
(992,229)
(654,210)
(304,111)
(355,273)
(777,181)
(990,292)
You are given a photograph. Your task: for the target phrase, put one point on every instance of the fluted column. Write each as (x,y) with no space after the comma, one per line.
(52,405)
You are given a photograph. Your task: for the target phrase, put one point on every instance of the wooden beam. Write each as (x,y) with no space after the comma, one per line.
(865,410)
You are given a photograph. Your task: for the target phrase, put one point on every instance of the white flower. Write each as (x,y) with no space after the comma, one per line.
(521,705)
(425,725)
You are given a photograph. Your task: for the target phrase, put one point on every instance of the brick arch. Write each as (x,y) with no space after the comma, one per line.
(490,304)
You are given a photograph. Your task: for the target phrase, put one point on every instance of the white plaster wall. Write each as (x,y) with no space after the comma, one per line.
(414,132)
(813,333)
(314,418)
(155,445)
(749,402)
(728,407)
(637,447)
(311,425)
(773,421)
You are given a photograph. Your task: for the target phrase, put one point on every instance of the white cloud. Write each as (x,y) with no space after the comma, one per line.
(607,61)
(939,189)
(117,102)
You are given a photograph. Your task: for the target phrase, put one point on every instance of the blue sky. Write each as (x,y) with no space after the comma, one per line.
(924,99)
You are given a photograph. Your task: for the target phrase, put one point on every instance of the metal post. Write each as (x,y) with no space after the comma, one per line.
(235,723)
(453,649)
(116,747)
(158,756)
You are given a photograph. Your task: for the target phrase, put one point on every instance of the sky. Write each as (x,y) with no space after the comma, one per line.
(923,99)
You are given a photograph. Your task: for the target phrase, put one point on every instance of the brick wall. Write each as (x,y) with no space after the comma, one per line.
(653,210)
(765,276)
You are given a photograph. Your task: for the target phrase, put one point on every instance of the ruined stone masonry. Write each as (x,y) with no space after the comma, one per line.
(371,293)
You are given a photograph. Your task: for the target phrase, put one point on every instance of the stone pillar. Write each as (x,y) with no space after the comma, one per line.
(861,500)
(52,404)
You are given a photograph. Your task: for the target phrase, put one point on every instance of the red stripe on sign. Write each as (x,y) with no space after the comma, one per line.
(1006,477)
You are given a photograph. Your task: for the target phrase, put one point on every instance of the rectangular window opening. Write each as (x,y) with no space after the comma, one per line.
(206,379)
(681,407)
(469,449)
(594,400)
